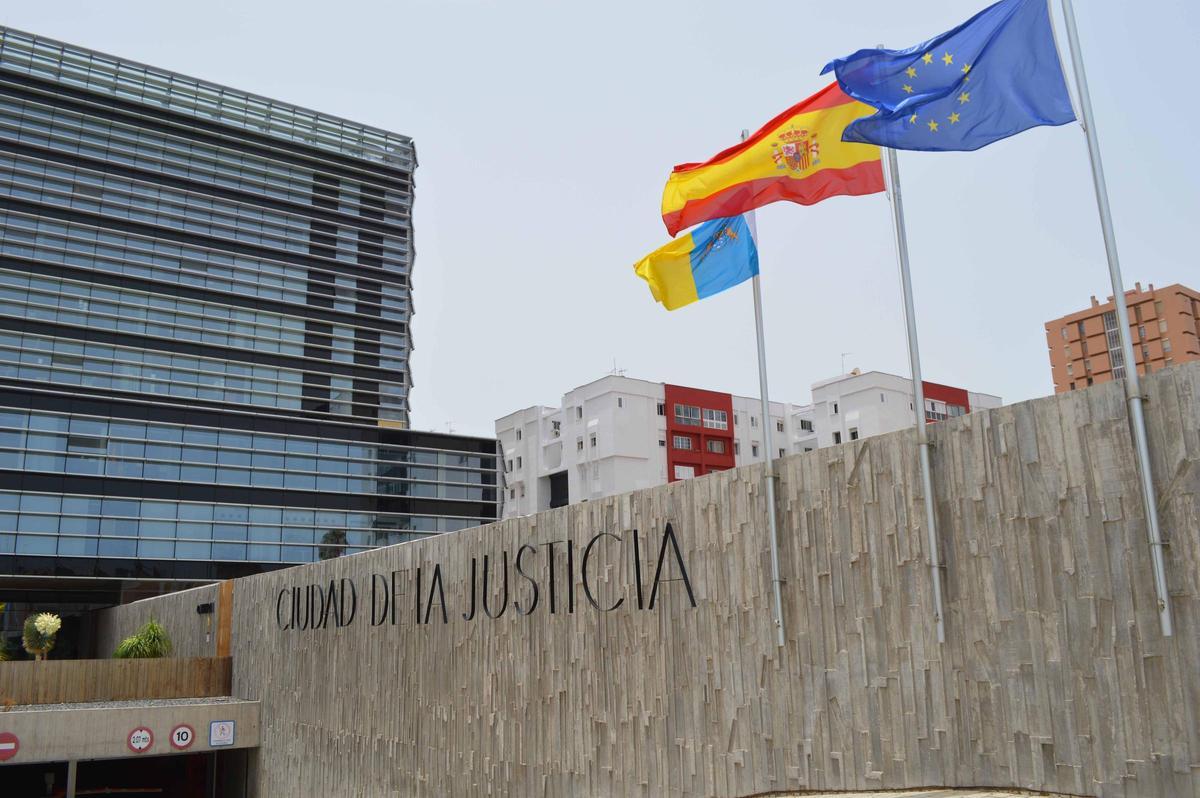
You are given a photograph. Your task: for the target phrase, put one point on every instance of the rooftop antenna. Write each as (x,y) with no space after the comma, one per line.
(844,360)
(450,427)
(617,372)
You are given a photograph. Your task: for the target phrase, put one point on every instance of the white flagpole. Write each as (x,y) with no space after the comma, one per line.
(914,360)
(1133,388)
(769,468)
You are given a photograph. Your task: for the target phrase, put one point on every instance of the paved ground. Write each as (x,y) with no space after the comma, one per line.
(927,793)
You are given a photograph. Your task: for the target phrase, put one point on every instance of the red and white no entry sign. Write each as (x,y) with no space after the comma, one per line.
(140,739)
(9,745)
(182,737)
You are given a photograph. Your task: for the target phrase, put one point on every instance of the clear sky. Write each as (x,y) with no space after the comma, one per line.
(545,131)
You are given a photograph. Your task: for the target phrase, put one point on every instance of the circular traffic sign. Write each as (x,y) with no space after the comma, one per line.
(140,740)
(182,737)
(9,745)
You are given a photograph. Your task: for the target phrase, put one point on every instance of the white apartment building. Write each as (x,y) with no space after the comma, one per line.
(862,404)
(612,435)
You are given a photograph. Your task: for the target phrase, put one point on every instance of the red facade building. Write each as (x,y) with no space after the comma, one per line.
(699,432)
(944,401)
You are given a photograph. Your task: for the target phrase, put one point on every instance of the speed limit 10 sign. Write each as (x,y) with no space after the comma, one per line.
(182,737)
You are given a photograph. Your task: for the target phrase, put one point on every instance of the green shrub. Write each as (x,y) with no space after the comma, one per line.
(150,642)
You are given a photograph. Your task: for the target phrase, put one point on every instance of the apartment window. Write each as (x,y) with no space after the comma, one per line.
(1162,325)
(592,440)
(579,444)
(518,434)
(662,408)
(881,397)
(579,412)
(1072,386)
(1158,309)
(854,433)
(508,466)
(555,428)
(1070,368)
(1141,332)
(518,462)
(1087,364)
(716,447)
(1146,354)
(1079,327)
(806,425)
(687,414)
(1166,345)
(954,411)
(737,448)
(522,491)
(808,448)
(684,472)
(835,408)
(512,493)
(1091,381)
(681,441)
(620,401)
(661,442)
(736,419)
(1064,333)
(1137,313)
(754,450)
(779,426)
(837,437)
(753,421)
(782,453)
(716,419)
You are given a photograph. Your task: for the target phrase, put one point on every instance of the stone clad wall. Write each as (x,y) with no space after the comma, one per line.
(1054,675)
(190,636)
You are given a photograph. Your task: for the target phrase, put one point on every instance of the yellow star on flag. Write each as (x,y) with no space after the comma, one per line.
(927,58)
(953,117)
(965,97)
(933,126)
(966,68)
(911,72)
(907,89)
(947,59)
(912,120)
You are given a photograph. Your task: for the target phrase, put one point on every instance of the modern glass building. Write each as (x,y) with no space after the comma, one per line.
(204,330)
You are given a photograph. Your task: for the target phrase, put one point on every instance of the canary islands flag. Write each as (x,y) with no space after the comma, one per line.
(798,156)
(715,256)
(995,75)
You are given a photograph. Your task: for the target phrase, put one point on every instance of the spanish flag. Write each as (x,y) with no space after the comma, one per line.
(797,156)
(715,256)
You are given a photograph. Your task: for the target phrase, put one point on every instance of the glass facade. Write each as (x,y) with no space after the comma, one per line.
(204,330)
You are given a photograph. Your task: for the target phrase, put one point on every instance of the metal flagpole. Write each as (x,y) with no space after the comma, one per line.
(769,471)
(914,359)
(1133,388)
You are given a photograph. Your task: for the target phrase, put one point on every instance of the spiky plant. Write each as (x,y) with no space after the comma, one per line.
(38,635)
(150,642)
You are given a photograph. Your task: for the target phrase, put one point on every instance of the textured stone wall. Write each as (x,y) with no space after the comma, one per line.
(191,635)
(1054,675)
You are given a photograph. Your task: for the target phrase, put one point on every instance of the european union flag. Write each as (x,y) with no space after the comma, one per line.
(995,75)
